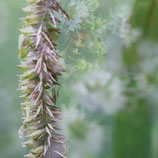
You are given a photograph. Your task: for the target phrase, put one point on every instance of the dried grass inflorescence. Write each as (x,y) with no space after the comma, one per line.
(41,70)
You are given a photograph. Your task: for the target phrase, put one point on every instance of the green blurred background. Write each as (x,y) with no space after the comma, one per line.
(110,89)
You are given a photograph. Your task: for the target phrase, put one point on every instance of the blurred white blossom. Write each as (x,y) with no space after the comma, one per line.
(94,134)
(100,91)
(119,24)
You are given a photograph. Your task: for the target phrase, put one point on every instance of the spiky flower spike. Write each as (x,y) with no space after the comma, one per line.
(41,70)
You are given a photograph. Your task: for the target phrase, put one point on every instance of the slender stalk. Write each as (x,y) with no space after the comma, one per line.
(41,70)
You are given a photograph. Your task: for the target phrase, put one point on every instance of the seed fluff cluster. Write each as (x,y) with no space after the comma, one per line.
(42,125)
